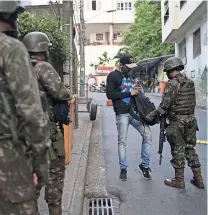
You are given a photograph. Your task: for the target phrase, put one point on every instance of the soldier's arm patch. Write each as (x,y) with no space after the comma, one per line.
(168,97)
(166,90)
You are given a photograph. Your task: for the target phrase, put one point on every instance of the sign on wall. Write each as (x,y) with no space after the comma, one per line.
(104,70)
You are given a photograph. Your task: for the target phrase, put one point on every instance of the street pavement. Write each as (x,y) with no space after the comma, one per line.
(142,197)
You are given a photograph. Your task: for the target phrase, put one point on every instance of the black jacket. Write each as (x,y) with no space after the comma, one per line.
(118,90)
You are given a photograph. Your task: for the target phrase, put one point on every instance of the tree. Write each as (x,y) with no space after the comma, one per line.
(31,22)
(144,37)
(103,60)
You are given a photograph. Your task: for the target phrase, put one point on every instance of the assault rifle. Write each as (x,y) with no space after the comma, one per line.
(162,138)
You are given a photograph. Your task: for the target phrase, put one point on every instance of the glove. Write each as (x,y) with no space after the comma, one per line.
(151,116)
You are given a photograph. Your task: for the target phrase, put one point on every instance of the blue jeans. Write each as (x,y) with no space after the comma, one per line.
(122,122)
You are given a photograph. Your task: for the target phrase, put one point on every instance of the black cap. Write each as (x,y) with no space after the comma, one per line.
(127,60)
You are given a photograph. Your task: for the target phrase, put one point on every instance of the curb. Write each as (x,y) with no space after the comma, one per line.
(197,106)
(76,206)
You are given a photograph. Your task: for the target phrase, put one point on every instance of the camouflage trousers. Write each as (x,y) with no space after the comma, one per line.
(17,196)
(55,185)
(181,134)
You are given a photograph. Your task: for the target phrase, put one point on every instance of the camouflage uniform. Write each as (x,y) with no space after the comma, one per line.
(178,102)
(19,87)
(50,84)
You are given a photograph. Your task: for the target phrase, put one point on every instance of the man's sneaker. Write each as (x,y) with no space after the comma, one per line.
(123,175)
(145,172)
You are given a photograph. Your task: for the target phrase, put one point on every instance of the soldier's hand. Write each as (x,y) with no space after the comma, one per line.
(73,99)
(134,92)
(35,179)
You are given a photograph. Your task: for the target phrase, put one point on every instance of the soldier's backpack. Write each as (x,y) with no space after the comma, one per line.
(141,106)
(61,111)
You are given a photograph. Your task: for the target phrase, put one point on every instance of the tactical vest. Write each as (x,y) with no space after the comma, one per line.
(186,99)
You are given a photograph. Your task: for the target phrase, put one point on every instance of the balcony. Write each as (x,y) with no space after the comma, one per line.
(178,18)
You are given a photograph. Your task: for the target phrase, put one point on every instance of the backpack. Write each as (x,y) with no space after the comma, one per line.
(140,107)
(61,112)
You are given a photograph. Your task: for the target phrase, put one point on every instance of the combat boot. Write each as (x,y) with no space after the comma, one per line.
(178,181)
(55,210)
(197,178)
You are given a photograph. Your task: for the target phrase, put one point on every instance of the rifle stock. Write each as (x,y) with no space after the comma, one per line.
(162,136)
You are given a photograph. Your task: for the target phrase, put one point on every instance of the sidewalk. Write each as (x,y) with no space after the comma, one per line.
(199,104)
(75,171)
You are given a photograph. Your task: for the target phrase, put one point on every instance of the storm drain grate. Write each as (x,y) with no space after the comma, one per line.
(100,206)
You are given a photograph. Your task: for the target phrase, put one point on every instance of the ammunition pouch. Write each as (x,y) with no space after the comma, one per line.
(58,145)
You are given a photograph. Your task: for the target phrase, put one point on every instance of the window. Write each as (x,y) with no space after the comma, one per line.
(99,37)
(182,51)
(115,36)
(182,3)
(94,5)
(124,5)
(166,11)
(127,5)
(196,43)
(193,74)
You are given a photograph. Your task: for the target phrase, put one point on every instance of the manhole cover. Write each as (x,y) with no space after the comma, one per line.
(100,206)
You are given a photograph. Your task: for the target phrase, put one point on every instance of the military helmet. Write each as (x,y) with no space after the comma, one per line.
(36,42)
(9,10)
(172,63)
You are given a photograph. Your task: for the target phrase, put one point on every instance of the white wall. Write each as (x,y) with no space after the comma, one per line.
(198,63)
(93,52)
(188,9)
(101,16)
(177,15)
(172,22)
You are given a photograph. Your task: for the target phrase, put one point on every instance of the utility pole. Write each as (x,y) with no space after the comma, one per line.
(68,28)
(82,50)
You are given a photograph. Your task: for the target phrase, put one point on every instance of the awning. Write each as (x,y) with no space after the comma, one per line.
(148,67)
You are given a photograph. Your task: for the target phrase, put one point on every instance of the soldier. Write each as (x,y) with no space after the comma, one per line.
(179,103)
(23,125)
(50,83)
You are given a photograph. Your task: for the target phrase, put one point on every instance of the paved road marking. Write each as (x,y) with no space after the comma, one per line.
(202,141)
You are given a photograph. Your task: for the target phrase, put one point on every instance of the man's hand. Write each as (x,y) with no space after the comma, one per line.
(74,97)
(134,92)
(151,116)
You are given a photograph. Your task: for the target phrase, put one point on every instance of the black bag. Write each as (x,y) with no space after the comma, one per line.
(140,107)
(61,111)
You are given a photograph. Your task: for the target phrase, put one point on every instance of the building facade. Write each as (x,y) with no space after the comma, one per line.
(185,24)
(106,21)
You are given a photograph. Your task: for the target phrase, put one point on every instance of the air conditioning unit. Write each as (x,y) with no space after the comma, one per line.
(120,34)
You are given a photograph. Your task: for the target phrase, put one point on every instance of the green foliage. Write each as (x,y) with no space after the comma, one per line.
(103,60)
(60,43)
(144,37)
(121,51)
